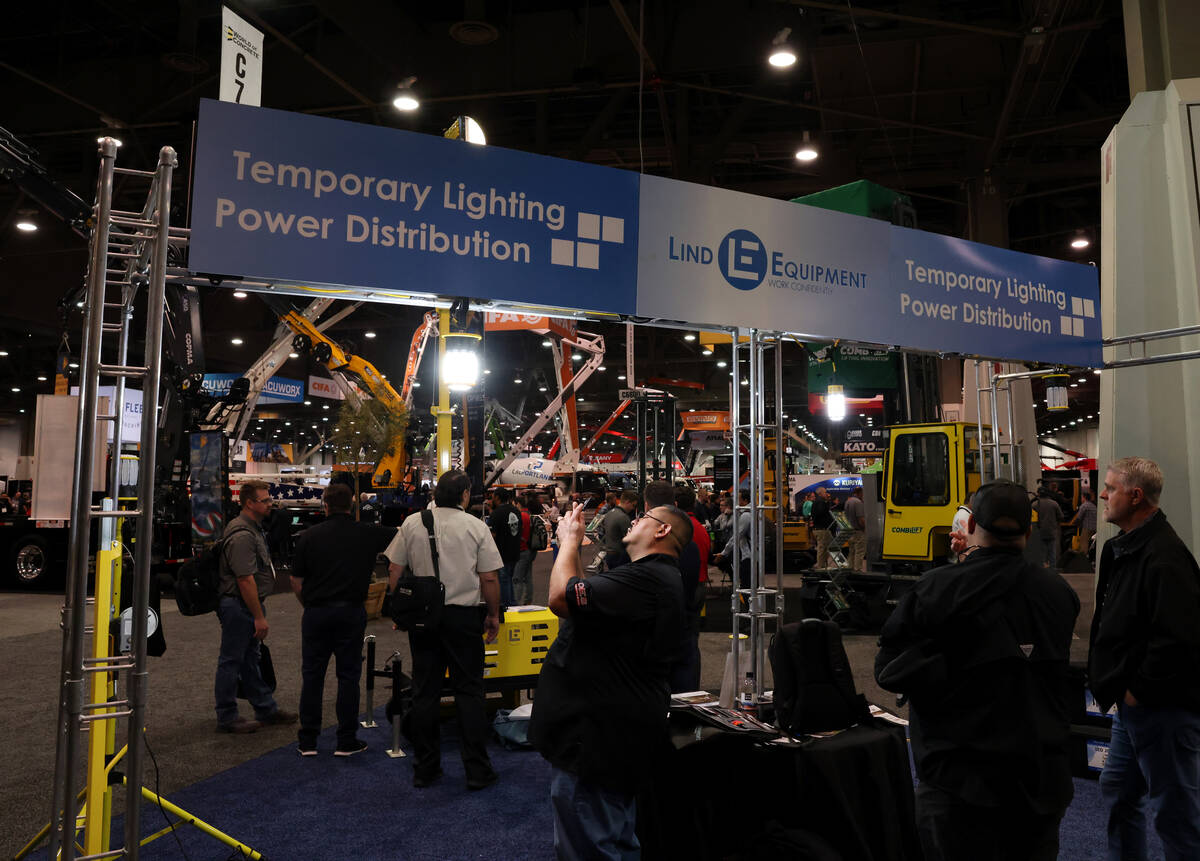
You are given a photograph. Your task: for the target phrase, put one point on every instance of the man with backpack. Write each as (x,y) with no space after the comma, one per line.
(246,578)
(982,650)
(533,539)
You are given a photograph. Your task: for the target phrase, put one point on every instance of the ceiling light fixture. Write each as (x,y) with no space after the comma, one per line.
(406,99)
(239,294)
(368,334)
(26,226)
(782,53)
(807,151)
(237,342)
(689,337)
(1080,241)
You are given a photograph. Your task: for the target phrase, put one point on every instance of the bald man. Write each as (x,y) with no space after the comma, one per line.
(601,710)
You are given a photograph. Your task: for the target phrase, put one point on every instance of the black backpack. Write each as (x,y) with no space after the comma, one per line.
(538,538)
(814,687)
(197,585)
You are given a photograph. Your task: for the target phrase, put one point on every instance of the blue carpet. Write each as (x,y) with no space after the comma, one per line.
(361,808)
(326,808)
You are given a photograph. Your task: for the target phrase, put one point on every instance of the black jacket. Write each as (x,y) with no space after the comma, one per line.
(990,718)
(1146,629)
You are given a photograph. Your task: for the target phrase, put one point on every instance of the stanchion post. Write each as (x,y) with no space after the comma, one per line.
(369,723)
(395,752)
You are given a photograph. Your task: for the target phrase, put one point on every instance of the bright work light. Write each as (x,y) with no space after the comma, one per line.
(835,404)
(460,369)
(782,53)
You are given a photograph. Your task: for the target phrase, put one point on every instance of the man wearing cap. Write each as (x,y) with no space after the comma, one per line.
(982,649)
(1145,658)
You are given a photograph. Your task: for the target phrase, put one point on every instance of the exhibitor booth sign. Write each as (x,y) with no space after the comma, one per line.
(291,197)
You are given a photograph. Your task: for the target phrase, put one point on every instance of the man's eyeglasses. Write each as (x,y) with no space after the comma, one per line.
(266,500)
(651,516)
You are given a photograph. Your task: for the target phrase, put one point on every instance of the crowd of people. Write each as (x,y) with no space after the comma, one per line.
(980,648)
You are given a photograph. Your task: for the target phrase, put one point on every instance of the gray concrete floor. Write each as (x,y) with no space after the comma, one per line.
(180,720)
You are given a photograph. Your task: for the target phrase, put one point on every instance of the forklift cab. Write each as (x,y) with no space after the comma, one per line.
(931,470)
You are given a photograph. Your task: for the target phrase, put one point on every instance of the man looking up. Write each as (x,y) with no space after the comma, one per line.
(331,570)
(600,714)
(982,649)
(1145,658)
(246,578)
(467,564)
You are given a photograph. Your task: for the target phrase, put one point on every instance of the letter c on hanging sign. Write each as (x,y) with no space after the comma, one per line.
(239,69)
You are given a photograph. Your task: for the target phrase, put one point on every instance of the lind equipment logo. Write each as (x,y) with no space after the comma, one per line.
(745,263)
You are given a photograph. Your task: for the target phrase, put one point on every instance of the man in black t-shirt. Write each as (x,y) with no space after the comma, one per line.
(331,571)
(505,523)
(822,520)
(601,710)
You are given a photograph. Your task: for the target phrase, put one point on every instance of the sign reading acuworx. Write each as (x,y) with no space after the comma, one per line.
(277,390)
(289,196)
(283,196)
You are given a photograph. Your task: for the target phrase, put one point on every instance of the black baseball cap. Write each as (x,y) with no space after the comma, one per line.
(1002,508)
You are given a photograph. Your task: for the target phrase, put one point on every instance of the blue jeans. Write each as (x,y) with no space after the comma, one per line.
(239,657)
(506,584)
(1154,756)
(591,822)
(522,578)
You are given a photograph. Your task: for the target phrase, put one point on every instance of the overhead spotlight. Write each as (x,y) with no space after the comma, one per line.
(689,337)
(406,99)
(576,357)
(368,334)
(1080,241)
(782,53)
(620,376)
(547,343)
(41,379)
(26,226)
(308,403)
(293,355)
(706,352)
(1096,372)
(722,364)
(807,151)
(237,342)
(602,368)
(517,380)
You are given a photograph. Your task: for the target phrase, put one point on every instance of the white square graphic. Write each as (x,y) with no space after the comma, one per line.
(1064,323)
(1089,308)
(1078,321)
(614,229)
(589,226)
(562,252)
(587,255)
(1076,305)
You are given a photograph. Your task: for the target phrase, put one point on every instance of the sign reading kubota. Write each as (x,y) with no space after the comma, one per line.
(291,197)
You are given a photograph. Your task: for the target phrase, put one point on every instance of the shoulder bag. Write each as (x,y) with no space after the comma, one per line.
(417,602)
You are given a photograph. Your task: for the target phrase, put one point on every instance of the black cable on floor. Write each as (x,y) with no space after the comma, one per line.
(158,799)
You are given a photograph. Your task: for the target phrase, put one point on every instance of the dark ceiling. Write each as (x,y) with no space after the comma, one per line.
(949,101)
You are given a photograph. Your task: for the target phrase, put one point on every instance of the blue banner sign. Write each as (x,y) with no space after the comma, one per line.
(722,257)
(292,197)
(289,196)
(278,390)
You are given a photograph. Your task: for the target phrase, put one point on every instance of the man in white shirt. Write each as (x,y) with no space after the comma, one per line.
(468,565)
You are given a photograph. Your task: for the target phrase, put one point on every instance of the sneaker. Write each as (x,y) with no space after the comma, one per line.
(483,783)
(420,781)
(280,718)
(239,726)
(354,747)
(308,751)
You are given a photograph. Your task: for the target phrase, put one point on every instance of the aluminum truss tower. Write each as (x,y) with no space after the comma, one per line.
(758,420)
(128,252)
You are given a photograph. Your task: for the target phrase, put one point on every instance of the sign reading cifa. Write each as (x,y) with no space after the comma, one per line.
(497,321)
(241,60)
